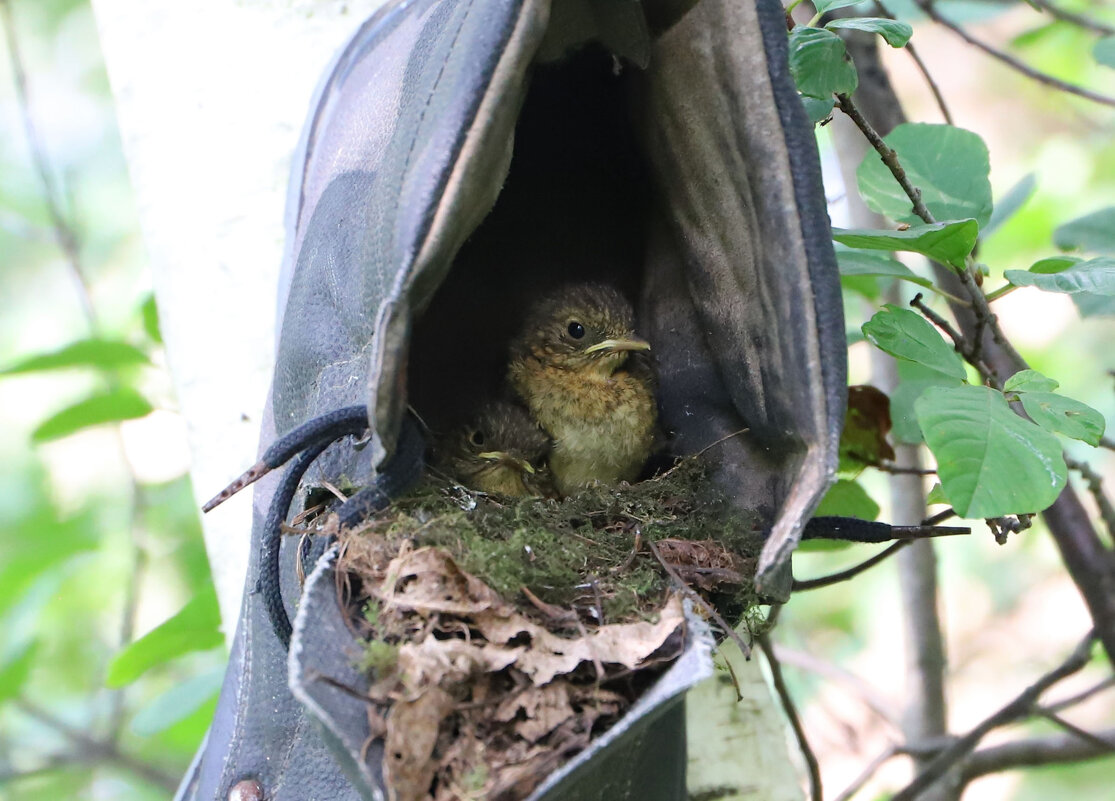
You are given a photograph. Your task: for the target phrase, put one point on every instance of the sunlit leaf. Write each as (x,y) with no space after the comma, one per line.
(1054,264)
(894,33)
(1095,232)
(824,6)
(819,63)
(936,495)
(1065,416)
(913,380)
(1011,202)
(949,165)
(1029,381)
(106,407)
(1095,275)
(905,334)
(194,628)
(847,499)
(991,462)
(101,353)
(948,242)
(16,670)
(150,314)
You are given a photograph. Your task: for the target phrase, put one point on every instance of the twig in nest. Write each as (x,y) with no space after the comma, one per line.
(705,606)
(815,790)
(1011,61)
(1020,707)
(553,613)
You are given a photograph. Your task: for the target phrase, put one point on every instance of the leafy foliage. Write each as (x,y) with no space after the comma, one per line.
(819,63)
(949,242)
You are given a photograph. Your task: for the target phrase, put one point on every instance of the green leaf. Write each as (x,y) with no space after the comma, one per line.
(1095,232)
(905,334)
(1029,381)
(948,242)
(1011,202)
(817,108)
(1090,305)
(824,6)
(949,165)
(913,380)
(1095,275)
(194,628)
(895,33)
(16,670)
(936,495)
(150,314)
(107,407)
(177,703)
(102,353)
(819,63)
(1065,416)
(860,262)
(991,462)
(847,498)
(1054,264)
(1104,51)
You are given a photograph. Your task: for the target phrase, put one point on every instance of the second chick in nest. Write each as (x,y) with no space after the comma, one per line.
(501,451)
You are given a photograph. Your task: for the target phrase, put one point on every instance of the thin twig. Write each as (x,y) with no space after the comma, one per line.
(815,790)
(902,470)
(63,231)
(965,347)
(869,771)
(1095,487)
(1076,19)
(940,517)
(92,748)
(851,572)
(1020,707)
(1011,61)
(1053,750)
(922,68)
(859,686)
(1075,730)
(1080,697)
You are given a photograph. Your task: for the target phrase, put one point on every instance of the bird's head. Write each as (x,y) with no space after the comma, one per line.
(584,327)
(501,450)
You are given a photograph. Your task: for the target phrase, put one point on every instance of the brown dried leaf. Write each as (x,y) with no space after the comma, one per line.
(428,580)
(412,733)
(543,710)
(866,425)
(433,662)
(549,655)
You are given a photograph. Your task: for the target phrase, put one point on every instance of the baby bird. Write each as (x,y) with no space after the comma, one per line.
(500,452)
(577,366)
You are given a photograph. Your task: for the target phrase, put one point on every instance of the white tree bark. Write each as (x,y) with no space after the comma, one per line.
(211,96)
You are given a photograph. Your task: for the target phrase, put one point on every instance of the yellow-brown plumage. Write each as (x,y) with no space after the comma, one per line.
(502,451)
(583,374)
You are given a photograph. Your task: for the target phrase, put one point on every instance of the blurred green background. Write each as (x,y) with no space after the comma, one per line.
(110,658)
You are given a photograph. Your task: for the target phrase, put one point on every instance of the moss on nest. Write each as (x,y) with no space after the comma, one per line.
(586,552)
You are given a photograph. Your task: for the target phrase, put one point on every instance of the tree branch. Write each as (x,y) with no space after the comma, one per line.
(1020,707)
(1095,487)
(851,572)
(1076,19)
(1011,61)
(1052,750)
(815,790)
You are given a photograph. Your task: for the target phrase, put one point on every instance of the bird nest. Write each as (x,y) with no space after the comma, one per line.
(503,635)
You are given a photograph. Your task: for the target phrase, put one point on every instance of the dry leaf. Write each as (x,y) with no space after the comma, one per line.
(428,580)
(543,709)
(412,733)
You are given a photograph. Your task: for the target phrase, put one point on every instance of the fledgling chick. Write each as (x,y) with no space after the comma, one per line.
(501,452)
(578,367)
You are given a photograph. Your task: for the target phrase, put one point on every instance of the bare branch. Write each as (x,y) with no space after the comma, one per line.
(1076,19)
(865,776)
(851,572)
(1020,707)
(1012,62)
(1095,486)
(863,690)
(1053,750)
(815,790)
(1080,697)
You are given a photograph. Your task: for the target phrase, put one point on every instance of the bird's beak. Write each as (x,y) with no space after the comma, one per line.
(617,345)
(506,458)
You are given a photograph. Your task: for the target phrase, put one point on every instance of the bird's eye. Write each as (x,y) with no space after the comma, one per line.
(476,438)
(576,330)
